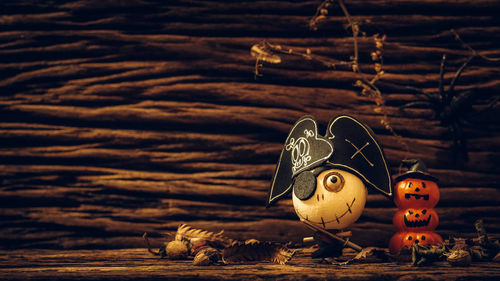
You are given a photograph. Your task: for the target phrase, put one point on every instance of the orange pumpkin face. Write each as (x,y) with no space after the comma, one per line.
(415,220)
(407,239)
(416,193)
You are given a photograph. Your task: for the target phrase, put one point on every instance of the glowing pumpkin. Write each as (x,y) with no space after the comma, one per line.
(407,239)
(415,220)
(416,193)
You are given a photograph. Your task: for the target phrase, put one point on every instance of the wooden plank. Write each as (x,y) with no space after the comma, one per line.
(120,117)
(138,264)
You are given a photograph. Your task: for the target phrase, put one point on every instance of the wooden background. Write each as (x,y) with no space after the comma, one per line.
(119,117)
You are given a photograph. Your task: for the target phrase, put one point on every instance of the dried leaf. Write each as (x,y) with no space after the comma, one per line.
(282,255)
(427,254)
(198,245)
(185,232)
(372,255)
(262,52)
(404,256)
(207,256)
(367,255)
(251,241)
(257,251)
(459,258)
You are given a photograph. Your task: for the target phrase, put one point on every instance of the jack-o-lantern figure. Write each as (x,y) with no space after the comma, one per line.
(415,220)
(416,188)
(407,239)
(329,175)
(416,194)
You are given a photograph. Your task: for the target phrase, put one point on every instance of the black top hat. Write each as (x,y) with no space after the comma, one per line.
(416,170)
(348,145)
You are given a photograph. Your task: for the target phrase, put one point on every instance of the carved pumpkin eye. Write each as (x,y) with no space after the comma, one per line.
(410,212)
(334,182)
(405,239)
(424,211)
(415,193)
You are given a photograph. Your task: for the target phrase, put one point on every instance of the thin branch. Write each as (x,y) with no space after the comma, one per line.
(441,78)
(355,31)
(267,52)
(474,52)
(146,240)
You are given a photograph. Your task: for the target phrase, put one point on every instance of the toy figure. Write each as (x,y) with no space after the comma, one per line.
(329,175)
(416,194)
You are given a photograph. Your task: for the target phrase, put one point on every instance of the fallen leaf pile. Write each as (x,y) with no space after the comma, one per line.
(209,248)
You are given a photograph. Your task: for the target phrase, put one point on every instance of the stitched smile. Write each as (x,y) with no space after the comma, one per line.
(337,218)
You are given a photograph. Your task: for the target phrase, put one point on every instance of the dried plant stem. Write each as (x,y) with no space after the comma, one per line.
(474,52)
(146,240)
(355,32)
(367,85)
(258,66)
(267,52)
(272,53)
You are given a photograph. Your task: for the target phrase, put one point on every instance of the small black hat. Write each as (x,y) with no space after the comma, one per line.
(357,151)
(304,150)
(416,170)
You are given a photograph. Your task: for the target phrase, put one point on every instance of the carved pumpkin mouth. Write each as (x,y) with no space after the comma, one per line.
(417,223)
(417,196)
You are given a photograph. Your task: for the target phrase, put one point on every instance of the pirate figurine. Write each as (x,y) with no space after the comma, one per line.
(329,175)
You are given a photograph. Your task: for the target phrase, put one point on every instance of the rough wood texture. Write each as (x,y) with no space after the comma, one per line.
(138,264)
(120,117)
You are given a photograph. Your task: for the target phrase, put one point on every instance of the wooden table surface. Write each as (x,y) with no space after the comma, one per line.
(138,264)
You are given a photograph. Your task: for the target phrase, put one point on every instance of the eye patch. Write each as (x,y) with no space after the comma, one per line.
(304,185)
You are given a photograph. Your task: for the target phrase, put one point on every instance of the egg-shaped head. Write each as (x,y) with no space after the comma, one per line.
(336,201)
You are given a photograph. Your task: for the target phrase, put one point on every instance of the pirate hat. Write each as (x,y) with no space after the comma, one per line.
(416,170)
(357,151)
(304,149)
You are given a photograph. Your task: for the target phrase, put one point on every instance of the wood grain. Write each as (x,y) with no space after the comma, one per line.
(138,264)
(119,117)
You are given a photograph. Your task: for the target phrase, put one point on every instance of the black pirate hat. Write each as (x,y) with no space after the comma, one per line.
(416,170)
(348,145)
(357,151)
(304,149)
